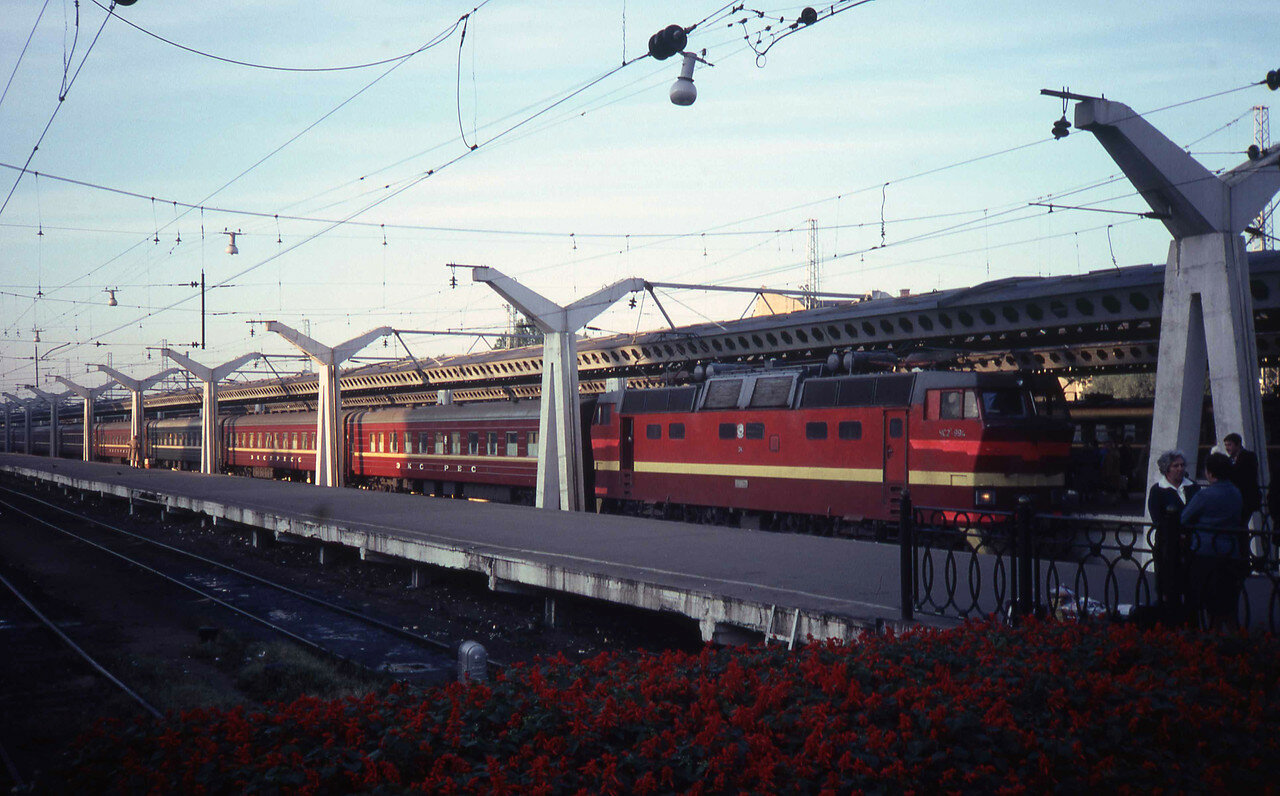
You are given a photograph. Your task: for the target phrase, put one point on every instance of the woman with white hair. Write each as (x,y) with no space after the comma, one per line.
(1174,487)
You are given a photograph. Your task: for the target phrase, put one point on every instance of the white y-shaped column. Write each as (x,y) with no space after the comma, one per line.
(8,424)
(88,394)
(560,471)
(209,378)
(25,405)
(137,431)
(329,455)
(1208,308)
(54,401)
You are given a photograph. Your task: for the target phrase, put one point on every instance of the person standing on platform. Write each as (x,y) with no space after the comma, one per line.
(1219,561)
(1173,488)
(1244,474)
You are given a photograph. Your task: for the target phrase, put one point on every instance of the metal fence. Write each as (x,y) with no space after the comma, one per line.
(960,564)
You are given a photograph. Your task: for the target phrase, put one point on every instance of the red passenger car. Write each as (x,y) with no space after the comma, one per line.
(487,450)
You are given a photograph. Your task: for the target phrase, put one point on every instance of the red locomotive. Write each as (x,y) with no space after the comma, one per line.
(781,449)
(819,454)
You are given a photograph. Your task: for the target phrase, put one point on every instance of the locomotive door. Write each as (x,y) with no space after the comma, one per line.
(895,454)
(626,454)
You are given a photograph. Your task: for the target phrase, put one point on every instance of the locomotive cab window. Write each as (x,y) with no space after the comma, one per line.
(1001,404)
(653,431)
(815,430)
(604,414)
(895,427)
(953,404)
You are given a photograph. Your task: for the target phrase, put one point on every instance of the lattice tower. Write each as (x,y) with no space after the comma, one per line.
(1262,137)
(815,275)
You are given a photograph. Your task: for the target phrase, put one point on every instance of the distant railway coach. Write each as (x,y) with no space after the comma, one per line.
(820,454)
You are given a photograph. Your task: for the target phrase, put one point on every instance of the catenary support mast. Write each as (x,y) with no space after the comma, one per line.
(560,469)
(1207,314)
(329,470)
(209,378)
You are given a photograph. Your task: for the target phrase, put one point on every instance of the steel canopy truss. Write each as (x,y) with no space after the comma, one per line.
(1101,321)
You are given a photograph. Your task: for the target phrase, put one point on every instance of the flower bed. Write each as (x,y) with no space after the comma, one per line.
(980,708)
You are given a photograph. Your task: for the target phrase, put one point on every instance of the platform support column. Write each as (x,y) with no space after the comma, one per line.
(1207,304)
(560,469)
(417,577)
(88,395)
(209,378)
(25,405)
(55,403)
(137,419)
(329,453)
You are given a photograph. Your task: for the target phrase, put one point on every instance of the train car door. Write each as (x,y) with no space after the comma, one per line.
(626,454)
(895,455)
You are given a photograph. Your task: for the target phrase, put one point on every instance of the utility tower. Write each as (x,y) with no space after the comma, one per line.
(1261,240)
(815,273)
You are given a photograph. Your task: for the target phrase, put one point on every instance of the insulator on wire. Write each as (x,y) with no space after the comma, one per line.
(1061,128)
(1273,79)
(667,42)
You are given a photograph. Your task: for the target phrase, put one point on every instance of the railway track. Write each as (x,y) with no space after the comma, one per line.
(71,678)
(320,625)
(51,683)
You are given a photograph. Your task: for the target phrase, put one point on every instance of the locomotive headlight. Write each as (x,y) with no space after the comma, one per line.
(984,497)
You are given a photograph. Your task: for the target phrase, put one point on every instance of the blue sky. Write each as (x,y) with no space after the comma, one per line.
(613,182)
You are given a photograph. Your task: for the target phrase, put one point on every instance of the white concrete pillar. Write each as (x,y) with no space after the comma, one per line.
(209,378)
(25,405)
(88,394)
(329,453)
(560,469)
(55,403)
(137,424)
(1207,314)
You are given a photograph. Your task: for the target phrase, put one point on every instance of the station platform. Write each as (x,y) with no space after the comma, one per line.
(728,580)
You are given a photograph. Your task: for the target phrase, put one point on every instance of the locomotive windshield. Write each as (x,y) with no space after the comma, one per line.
(1003,404)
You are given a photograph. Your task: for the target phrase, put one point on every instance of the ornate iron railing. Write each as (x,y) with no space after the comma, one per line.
(961,564)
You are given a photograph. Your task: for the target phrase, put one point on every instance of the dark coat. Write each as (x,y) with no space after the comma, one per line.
(1244,474)
(1160,498)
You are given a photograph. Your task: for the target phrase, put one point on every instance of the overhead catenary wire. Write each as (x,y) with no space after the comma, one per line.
(424,176)
(62,96)
(270,67)
(23,53)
